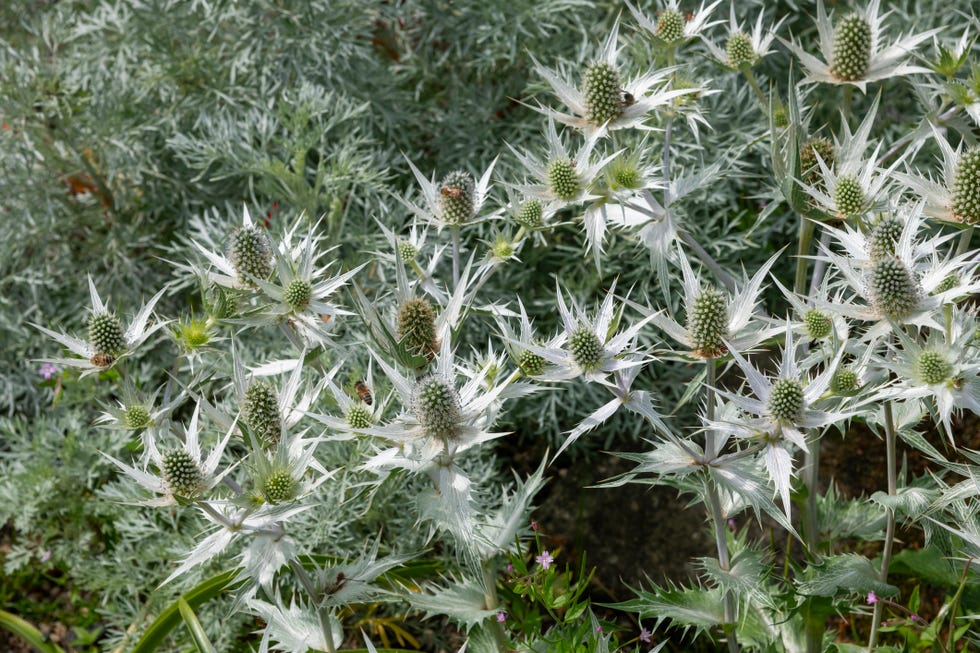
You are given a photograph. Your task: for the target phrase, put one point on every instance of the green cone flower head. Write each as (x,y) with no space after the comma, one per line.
(456,202)
(260,410)
(279,487)
(670,26)
(563,180)
(437,407)
(603,93)
(817,324)
(883,238)
(740,50)
(250,253)
(182,473)
(531,214)
(136,416)
(809,167)
(852,48)
(417,327)
(407,250)
(933,367)
(844,381)
(530,363)
(586,348)
(786,400)
(297,293)
(193,334)
(359,416)
(966,187)
(105,334)
(707,323)
(849,196)
(893,289)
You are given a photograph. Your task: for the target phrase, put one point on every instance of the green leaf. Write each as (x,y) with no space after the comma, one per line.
(746,578)
(28,633)
(193,624)
(155,635)
(699,608)
(843,573)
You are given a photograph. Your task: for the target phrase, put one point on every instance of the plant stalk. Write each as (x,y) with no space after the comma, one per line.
(886,554)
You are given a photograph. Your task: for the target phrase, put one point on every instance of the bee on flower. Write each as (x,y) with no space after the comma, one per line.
(457,199)
(108,342)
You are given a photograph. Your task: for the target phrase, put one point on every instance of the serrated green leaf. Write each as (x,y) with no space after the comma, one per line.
(746,578)
(699,608)
(462,600)
(844,573)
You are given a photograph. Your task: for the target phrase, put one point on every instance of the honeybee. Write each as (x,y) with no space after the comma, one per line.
(364,392)
(102,360)
(339,584)
(451,191)
(628,98)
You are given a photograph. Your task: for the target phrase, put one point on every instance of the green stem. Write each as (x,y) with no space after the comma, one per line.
(457,246)
(886,554)
(804,239)
(491,602)
(707,259)
(964,245)
(750,76)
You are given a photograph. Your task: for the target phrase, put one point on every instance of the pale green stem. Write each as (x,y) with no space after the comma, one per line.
(717,514)
(750,76)
(315,596)
(708,260)
(964,245)
(457,246)
(805,237)
(491,602)
(886,554)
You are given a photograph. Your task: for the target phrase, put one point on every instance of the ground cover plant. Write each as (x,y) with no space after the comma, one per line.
(309,306)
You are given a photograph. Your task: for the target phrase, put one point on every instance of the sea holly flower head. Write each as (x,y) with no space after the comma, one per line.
(673,26)
(781,410)
(943,368)
(714,318)
(589,346)
(743,48)
(562,178)
(812,321)
(134,411)
(359,408)
(605,100)
(107,341)
(530,363)
(955,197)
(457,199)
(249,255)
(285,475)
(182,474)
(853,50)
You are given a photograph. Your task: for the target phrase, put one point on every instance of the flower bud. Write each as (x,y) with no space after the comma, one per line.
(849,196)
(297,294)
(740,50)
(670,26)
(586,348)
(883,238)
(437,407)
(852,48)
(260,410)
(250,253)
(809,167)
(817,324)
(456,201)
(407,250)
(358,416)
(530,214)
(844,381)
(786,400)
(707,323)
(279,487)
(182,473)
(417,328)
(966,187)
(530,363)
(933,367)
(105,334)
(563,180)
(893,289)
(136,416)
(603,93)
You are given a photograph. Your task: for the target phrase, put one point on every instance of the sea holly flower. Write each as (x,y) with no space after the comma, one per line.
(674,27)
(182,474)
(714,318)
(816,324)
(135,411)
(591,348)
(356,410)
(561,178)
(296,629)
(853,51)
(108,342)
(741,47)
(956,196)
(605,100)
(285,476)
(455,200)
(249,256)
(942,368)
(531,364)
(781,411)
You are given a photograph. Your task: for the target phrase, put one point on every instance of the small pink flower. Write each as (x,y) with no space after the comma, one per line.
(501,617)
(545,559)
(645,635)
(46,555)
(510,568)
(872,598)
(48,370)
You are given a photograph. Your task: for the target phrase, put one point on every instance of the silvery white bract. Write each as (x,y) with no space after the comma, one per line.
(760,39)
(693,24)
(938,197)
(90,359)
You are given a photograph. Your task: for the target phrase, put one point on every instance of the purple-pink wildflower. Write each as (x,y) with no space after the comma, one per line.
(645,635)
(501,617)
(872,598)
(545,559)
(48,370)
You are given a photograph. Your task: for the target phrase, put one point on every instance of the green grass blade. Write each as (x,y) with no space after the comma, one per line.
(193,624)
(28,633)
(171,617)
